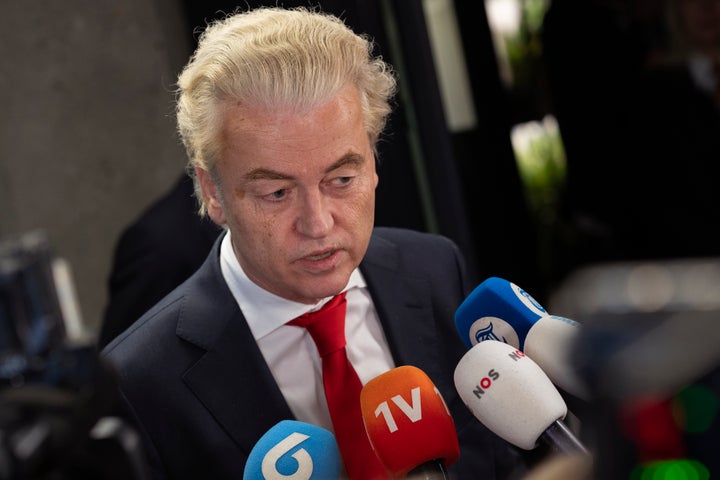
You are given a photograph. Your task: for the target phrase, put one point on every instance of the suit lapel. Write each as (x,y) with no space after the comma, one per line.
(233,382)
(404,306)
(231,377)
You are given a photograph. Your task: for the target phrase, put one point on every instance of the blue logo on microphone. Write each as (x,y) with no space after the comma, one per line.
(530,299)
(492,328)
(487,333)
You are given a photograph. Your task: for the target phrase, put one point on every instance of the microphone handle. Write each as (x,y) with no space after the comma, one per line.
(433,470)
(559,436)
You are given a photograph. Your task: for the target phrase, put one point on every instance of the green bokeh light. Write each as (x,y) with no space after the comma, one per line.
(700,405)
(681,469)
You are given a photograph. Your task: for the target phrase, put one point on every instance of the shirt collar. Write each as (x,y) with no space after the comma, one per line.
(265,311)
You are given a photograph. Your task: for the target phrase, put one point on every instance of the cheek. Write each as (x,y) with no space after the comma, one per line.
(368,194)
(272,232)
(261,243)
(251,224)
(361,210)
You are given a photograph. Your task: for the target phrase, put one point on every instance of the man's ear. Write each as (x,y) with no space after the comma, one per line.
(211,196)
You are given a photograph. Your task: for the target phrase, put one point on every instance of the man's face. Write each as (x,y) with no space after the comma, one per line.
(298,195)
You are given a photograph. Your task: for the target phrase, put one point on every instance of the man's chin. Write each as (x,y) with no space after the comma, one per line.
(323,288)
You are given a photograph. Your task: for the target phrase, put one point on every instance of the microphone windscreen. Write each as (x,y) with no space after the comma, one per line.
(497,310)
(407,421)
(550,343)
(296,450)
(508,392)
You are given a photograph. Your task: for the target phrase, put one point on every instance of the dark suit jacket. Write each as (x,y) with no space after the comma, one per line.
(195,380)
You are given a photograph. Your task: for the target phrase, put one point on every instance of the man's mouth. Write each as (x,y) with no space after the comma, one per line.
(320,256)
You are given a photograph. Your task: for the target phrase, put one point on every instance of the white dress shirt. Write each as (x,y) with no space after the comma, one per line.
(290,351)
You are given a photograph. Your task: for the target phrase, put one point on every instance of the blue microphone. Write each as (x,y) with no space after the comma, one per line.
(294,450)
(497,310)
(500,310)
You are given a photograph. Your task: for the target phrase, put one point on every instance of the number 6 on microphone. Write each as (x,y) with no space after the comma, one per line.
(294,450)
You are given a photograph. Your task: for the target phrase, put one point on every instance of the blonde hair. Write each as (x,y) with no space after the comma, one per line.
(275,58)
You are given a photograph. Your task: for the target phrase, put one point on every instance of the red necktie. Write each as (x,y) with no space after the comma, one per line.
(342,389)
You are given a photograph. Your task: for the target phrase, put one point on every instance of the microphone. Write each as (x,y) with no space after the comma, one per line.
(294,450)
(497,310)
(511,395)
(409,426)
(500,310)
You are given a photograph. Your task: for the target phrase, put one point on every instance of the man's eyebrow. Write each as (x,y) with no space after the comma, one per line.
(267,174)
(353,159)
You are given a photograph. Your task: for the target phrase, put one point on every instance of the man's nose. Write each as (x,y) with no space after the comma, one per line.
(315,219)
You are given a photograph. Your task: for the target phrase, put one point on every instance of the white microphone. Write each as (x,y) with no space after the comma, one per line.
(550,343)
(511,395)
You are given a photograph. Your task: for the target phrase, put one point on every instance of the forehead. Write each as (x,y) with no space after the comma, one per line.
(255,134)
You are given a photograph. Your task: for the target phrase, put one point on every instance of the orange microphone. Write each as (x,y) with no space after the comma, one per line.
(408,424)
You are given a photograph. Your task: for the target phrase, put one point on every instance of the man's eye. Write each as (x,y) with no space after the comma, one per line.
(277,194)
(340,181)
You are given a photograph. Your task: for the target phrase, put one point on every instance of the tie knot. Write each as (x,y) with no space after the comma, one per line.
(326,326)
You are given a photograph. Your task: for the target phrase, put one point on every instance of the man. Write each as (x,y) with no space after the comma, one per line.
(280,111)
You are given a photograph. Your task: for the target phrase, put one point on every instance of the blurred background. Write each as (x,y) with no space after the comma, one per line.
(570,146)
